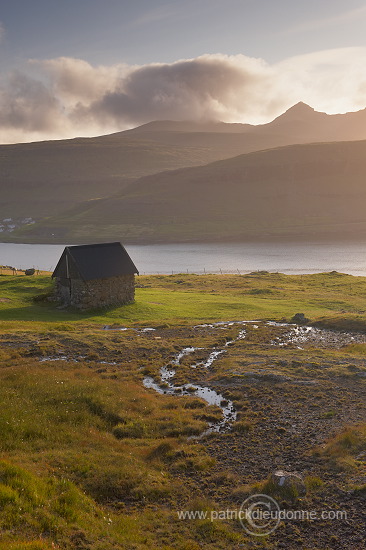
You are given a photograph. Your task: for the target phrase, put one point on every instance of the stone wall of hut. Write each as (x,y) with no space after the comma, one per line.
(98,293)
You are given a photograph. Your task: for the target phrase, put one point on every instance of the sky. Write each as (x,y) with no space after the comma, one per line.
(91,67)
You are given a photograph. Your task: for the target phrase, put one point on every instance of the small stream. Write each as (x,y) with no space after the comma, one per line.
(167,374)
(296,335)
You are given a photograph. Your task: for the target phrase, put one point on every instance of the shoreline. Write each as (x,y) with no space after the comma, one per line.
(268,239)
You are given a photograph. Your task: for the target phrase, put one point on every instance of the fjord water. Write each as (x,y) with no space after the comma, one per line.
(291,258)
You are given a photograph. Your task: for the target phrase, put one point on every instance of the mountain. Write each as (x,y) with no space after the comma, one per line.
(299,124)
(305,191)
(303,123)
(47,179)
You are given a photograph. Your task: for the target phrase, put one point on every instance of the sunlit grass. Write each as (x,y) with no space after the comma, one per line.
(73,443)
(183,298)
(343,450)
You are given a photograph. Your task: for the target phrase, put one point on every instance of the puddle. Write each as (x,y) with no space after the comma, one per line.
(324,338)
(108,327)
(56,358)
(73,359)
(123,329)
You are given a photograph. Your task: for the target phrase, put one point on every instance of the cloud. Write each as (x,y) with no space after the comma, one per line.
(208,87)
(331,80)
(32,109)
(29,105)
(76,80)
(74,98)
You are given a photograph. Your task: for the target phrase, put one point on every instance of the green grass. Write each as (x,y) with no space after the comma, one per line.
(178,299)
(74,444)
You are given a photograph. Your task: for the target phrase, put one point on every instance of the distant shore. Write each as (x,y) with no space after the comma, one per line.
(250,239)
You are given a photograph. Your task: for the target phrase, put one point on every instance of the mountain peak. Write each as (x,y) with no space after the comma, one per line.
(301,112)
(300,107)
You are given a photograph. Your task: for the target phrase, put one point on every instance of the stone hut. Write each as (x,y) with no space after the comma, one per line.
(95,275)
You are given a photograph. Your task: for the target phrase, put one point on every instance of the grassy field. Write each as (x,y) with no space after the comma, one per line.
(179,299)
(90,459)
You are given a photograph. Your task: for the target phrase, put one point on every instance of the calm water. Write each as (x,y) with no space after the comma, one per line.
(198,258)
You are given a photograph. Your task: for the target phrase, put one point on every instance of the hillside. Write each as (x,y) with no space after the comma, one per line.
(44,179)
(40,179)
(298,191)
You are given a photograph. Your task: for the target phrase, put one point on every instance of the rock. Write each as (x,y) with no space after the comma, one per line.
(299,319)
(30,271)
(288,482)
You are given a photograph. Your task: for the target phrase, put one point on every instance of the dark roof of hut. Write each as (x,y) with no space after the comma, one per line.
(94,261)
